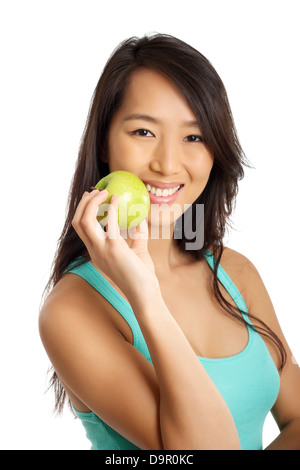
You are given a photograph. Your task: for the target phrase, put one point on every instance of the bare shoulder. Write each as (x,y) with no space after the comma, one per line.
(70,291)
(250,284)
(74,304)
(239,268)
(234,260)
(248,280)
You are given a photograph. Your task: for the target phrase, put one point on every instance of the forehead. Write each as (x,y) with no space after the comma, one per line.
(149,91)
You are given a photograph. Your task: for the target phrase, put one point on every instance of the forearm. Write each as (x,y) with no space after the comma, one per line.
(193,414)
(289,438)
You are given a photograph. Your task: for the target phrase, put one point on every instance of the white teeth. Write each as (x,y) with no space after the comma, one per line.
(162,192)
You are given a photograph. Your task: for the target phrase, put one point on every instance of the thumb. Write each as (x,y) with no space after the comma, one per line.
(140,236)
(140,245)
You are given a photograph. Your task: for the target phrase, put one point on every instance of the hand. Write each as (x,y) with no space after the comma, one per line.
(129,267)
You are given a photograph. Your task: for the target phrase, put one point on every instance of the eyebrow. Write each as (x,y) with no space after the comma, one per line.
(146,117)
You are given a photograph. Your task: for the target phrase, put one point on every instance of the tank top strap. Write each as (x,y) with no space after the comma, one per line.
(228,284)
(89,273)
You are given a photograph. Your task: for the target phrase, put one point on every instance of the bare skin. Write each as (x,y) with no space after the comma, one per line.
(90,344)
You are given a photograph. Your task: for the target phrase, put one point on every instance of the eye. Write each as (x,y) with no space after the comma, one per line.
(193,138)
(142,133)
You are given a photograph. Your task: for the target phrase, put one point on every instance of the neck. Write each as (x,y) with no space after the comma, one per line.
(165,254)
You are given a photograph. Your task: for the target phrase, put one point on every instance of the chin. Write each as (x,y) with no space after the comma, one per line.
(162,218)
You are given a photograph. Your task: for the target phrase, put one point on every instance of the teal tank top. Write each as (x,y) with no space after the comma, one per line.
(248,381)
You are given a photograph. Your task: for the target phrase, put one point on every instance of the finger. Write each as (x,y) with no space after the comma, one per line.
(143,229)
(124,233)
(78,216)
(113,230)
(88,222)
(140,232)
(82,206)
(140,237)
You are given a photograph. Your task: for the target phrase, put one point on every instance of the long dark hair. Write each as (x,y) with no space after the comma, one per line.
(201,86)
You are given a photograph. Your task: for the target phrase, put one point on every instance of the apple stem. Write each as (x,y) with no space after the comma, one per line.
(93,187)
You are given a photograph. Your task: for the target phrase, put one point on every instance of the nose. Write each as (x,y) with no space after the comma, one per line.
(166,157)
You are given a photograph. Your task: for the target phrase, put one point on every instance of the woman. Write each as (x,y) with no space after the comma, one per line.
(159,343)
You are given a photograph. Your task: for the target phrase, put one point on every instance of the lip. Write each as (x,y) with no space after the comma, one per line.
(160,199)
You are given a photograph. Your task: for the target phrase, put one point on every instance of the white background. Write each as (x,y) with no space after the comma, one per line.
(52,53)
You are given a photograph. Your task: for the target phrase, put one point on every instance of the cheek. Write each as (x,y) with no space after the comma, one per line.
(117,156)
(203,167)
(208,165)
(122,155)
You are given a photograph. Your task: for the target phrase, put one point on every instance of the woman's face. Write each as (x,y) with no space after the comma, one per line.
(155,135)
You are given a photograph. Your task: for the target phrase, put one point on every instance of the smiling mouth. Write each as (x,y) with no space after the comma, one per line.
(162,192)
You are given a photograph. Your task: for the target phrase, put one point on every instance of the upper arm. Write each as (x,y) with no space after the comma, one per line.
(109,375)
(287,406)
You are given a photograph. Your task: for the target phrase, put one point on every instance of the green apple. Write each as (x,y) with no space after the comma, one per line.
(134,201)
